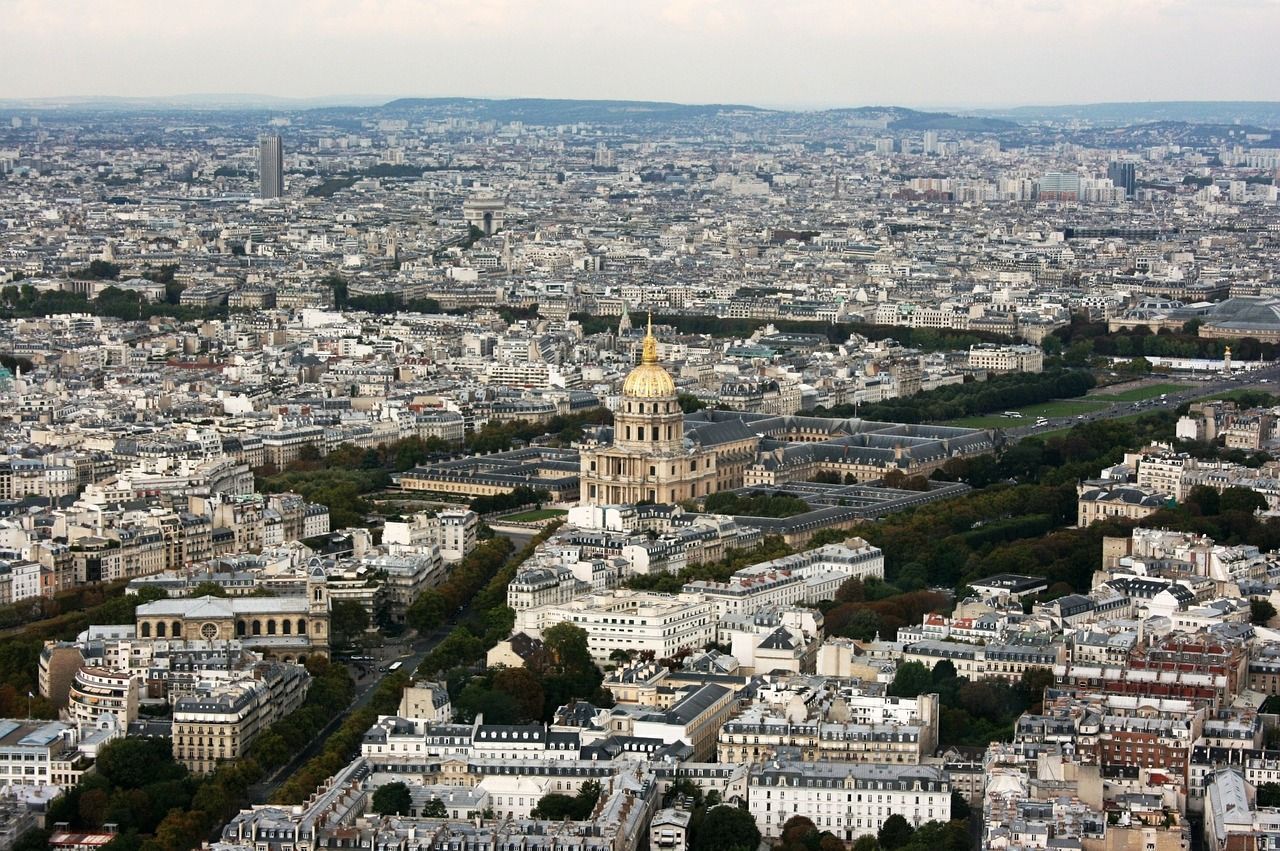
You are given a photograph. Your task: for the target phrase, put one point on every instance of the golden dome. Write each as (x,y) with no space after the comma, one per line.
(649,380)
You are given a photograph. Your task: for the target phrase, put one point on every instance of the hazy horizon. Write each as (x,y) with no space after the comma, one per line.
(808,54)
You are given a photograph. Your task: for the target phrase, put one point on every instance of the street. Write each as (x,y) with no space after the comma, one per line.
(1259,379)
(410,654)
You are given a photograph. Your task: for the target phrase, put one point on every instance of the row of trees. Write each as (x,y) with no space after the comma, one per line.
(344,743)
(926,339)
(20,654)
(518,498)
(755,504)
(25,300)
(341,479)
(566,428)
(435,606)
(998,393)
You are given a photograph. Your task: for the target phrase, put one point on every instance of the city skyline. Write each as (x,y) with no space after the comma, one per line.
(920,54)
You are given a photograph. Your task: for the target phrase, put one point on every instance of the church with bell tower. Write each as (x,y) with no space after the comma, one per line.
(649,459)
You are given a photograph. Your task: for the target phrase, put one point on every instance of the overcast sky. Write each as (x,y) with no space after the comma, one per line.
(801,53)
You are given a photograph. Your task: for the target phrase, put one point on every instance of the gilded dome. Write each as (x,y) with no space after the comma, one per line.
(649,380)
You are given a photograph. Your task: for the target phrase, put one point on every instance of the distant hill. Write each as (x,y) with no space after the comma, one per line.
(902,118)
(563,111)
(1262,113)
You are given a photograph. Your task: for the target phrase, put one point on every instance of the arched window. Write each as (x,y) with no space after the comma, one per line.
(271,627)
(302,626)
(319,595)
(160,626)
(286,626)
(257,627)
(146,629)
(176,630)
(240,627)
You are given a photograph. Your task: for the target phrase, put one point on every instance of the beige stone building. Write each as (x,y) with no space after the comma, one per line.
(648,459)
(286,628)
(221,722)
(1099,501)
(657,454)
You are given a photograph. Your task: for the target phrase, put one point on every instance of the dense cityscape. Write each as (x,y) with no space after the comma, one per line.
(626,476)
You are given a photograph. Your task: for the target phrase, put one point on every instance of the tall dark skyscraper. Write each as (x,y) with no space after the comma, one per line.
(270,167)
(1123,175)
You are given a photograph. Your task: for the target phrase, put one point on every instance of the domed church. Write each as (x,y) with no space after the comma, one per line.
(649,458)
(653,454)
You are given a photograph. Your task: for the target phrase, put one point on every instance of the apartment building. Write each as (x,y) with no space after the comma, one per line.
(452,530)
(850,800)
(805,577)
(1005,661)
(45,753)
(760,734)
(630,620)
(220,722)
(998,358)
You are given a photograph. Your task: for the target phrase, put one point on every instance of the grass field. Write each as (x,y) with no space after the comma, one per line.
(1058,408)
(534,516)
(1139,394)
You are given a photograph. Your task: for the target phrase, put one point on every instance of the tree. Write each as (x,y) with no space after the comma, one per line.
(1241,499)
(911,680)
(393,799)
(895,832)
(1269,795)
(944,670)
(866,842)
(1033,683)
(727,828)
(1261,612)
(348,619)
(208,589)
(132,762)
(799,834)
(555,806)
(524,689)
(960,808)
(36,839)
(567,650)
(435,808)
(428,611)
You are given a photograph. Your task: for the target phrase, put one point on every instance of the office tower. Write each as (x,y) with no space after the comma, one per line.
(1124,176)
(930,142)
(270,167)
(604,156)
(1059,186)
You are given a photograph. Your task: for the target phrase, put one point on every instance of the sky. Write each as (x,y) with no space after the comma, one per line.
(775,53)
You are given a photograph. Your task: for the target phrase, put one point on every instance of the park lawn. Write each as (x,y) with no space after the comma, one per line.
(1140,394)
(533,516)
(1056,408)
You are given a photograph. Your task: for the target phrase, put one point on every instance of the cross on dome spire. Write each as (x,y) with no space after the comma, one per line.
(650,351)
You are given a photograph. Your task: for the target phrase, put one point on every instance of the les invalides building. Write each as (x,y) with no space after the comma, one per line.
(649,459)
